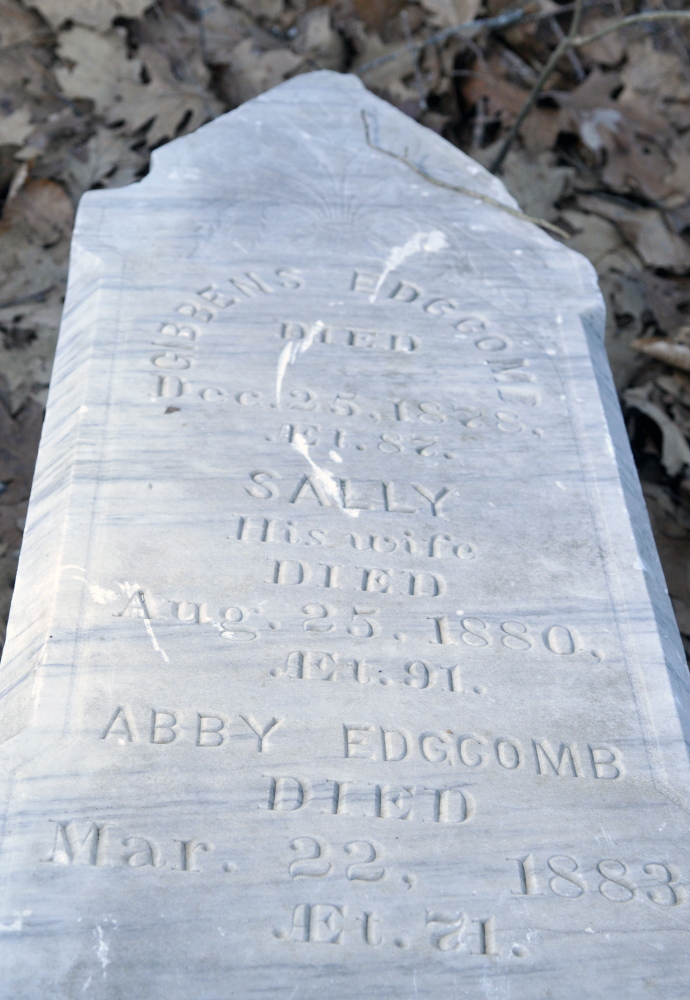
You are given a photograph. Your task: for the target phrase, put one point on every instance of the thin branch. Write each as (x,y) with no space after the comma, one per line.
(556,230)
(498,160)
(572,56)
(661,15)
(573,40)
(503,20)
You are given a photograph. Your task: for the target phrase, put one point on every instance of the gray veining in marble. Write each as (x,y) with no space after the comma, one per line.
(340,661)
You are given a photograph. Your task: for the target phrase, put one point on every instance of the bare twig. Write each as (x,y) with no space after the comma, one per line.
(572,56)
(568,42)
(503,20)
(487,199)
(660,15)
(562,46)
(470,28)
(497,162)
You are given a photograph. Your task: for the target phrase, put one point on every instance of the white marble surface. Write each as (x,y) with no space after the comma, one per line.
(340,662)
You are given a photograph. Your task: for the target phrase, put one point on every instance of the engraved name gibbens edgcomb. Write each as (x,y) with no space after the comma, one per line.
(340,662)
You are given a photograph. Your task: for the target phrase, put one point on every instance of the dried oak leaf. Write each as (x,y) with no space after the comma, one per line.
(317,40)
(136,91)
(179,40)
(390,73)
(171,105)
(618,267)
(222,28)
(27,347)
(600,241)
(251,70)
(645,229)
(675,452)
(656,80)
(105,159)
(98,14)
(19,25)
(34,241)
(535,182)
(607,51)
(448,13)
(52,139)
(669,300)
(626,137)
(393,80)
(376,15)
(95,66)
(490,84)
(43,206)
(26,269)
(26,81)
(15,128)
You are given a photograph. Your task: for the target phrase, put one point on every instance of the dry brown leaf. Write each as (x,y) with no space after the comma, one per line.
(505,99)
(633,149)
(34,242)
(25,80)
(172,105)
(675,452)
(44,207)
(177,39)
(607,51)
(28,335)
(646,230)
(618,267)
(106,159)
(596,238)
(537,184)
(18,25)
(15,128)
(390,74)
(222,28)
(252,70)
(26,270)
(377,14)
(448,13)
(669,300)
(97,14)
(317,40)
(660,77)
(95,65)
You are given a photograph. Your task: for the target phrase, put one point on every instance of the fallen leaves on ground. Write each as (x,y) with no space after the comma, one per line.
(88,88)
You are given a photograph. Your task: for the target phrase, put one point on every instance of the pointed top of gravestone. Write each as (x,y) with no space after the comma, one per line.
(308,121)
(320,165)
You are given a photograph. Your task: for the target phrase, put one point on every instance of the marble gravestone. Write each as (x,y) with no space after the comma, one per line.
(340,661)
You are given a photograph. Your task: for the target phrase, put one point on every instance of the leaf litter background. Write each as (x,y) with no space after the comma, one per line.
(89,87)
